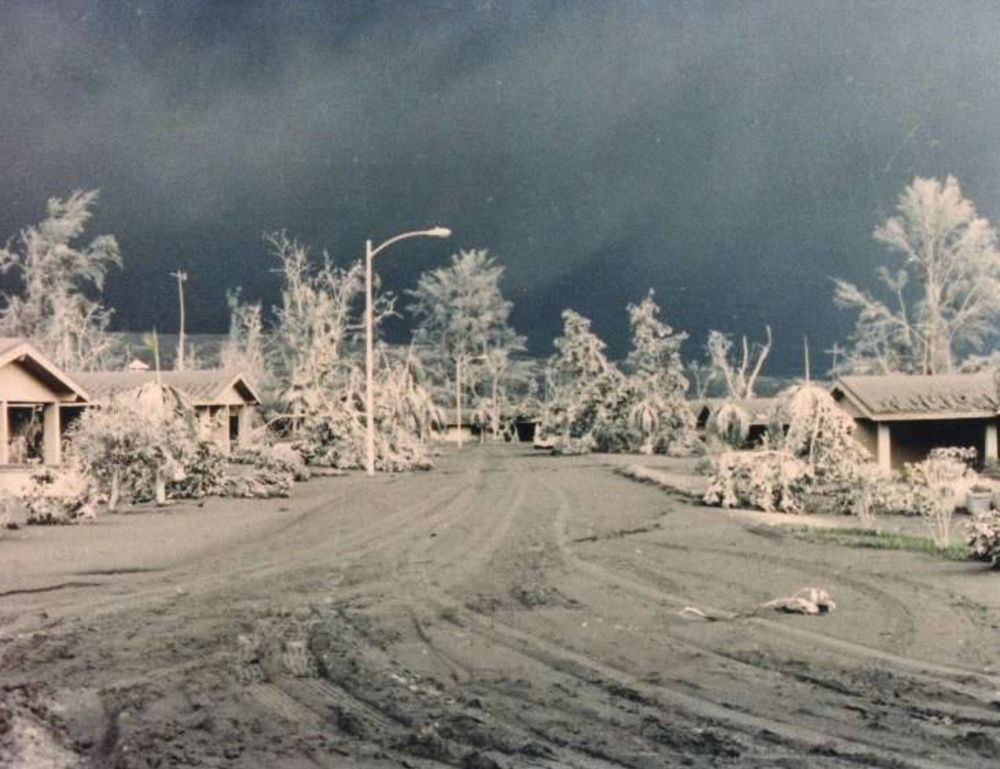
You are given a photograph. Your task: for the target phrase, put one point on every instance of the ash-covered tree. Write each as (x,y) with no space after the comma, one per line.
(660,418)
(318,336)
(738,370)
(132,446)
(942,291)
(586,392)
(463,319)
(60,281)
(244,348)
(822,434)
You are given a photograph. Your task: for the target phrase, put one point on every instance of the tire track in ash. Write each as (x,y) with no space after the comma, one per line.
(605,682)
(563,659)
(954,679)
(242,562)
(396,543)
(495,514)
(951,676)
(145,586)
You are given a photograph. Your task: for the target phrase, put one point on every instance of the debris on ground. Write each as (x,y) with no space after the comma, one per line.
(693,612)
(808,600)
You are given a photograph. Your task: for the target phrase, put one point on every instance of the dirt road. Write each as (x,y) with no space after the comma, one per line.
(508,609)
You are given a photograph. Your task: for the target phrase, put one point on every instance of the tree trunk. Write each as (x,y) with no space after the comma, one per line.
(496,410)
(458,401)
(161,489)
(114,497)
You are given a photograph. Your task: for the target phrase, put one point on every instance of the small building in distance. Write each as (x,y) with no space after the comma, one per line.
(37,399)
(901,417)
(222,399)
(763,412)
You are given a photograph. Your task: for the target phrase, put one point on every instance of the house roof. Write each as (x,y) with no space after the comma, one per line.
(21,351)
(892,397)
(758,409)
(204,387)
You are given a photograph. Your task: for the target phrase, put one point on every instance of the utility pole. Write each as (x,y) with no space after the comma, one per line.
(834,352)
(181,280)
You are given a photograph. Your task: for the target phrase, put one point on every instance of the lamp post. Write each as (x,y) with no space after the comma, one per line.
(370,254)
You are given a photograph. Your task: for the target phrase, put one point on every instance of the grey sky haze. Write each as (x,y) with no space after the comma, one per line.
(732,156)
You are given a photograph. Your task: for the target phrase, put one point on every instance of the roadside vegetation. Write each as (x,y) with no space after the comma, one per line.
(465,370)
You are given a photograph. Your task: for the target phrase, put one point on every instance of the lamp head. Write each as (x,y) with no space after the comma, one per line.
(439,232)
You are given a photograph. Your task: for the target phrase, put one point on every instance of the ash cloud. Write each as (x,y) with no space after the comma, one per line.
(732,157)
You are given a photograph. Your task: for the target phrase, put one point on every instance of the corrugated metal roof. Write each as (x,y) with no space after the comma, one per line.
(897,395)
(201,386)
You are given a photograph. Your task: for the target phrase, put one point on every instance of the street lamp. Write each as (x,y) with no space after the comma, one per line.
(370,254)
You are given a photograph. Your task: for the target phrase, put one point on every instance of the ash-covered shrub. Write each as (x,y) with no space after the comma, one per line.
(984,538)
(569,447)
(281,455)
(773,481)
(58,498)
(263,482)
(133,446)
(8,506)
(730,423)
(705,465)
(821,434)
(940,484)
(203,475)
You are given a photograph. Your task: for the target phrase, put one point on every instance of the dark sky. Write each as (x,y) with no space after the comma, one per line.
(732,156)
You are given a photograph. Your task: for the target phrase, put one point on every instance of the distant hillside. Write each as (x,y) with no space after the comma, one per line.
(205,348)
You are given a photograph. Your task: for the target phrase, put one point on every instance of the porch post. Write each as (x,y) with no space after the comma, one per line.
(243,420)
(223,435)
(884,448)
(4,434)
(204,423)
(51,435)
(990,444)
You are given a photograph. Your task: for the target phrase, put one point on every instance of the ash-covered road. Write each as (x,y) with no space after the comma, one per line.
(508,609)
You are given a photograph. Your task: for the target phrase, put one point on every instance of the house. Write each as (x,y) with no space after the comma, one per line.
(448,429)
(222,399)
(901,417)
(763,413)
(36,401)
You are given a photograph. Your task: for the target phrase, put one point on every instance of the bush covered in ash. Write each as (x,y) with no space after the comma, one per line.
(984,538)
(133,446)
(203,473)
(57,498)
(772,480)
(262,477)
(940,484)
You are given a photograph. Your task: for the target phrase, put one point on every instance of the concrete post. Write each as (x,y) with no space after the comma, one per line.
(990,444)
(51,435)
(884,448)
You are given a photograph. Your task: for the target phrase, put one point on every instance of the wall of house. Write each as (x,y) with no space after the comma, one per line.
(19,386)
(866,433)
